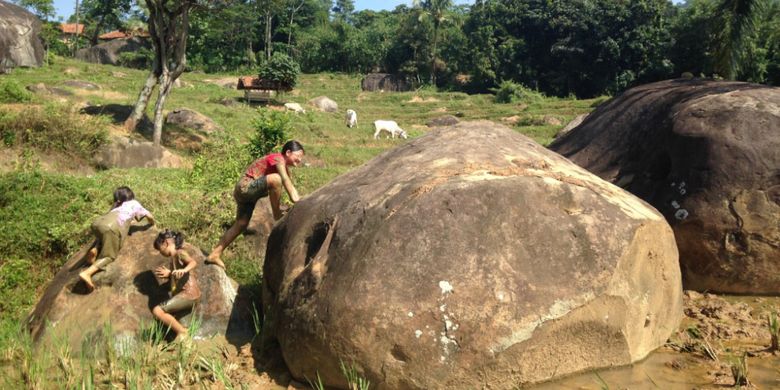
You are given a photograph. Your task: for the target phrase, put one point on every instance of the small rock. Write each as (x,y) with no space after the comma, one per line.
(444,120)
(551,120)
(191,119)
(325,104)
(81,85)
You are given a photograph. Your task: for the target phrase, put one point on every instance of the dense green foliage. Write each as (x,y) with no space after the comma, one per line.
(271,130)
(281,68)
(12,92)
(582,47)
(574,47)
(52,127)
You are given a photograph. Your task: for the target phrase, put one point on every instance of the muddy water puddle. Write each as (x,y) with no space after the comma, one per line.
(729,326)
(666,369)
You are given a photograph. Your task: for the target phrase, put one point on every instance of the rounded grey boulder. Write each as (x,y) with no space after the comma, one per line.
(706,154)
(470,257)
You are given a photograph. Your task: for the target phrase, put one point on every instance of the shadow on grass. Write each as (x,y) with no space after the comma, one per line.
(118,114)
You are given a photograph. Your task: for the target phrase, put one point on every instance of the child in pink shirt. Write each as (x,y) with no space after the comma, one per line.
(110,229)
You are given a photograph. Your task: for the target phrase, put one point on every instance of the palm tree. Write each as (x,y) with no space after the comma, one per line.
(739,18)
(436,10)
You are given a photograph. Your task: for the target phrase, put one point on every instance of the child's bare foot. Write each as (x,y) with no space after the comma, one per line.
(91,256)
(87,280)
(182,338)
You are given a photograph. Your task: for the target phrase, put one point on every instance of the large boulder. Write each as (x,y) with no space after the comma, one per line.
(123,152)
(706,154)
(108,52)
(470,257)
(124,295)
(325,104)
(20,43)
(385,82)
(192,120)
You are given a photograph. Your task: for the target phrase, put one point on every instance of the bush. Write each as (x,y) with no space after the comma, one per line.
(511,92)
(141,59)
(219,164)
(271,129)
(11,92)
(281,68)
(54,128)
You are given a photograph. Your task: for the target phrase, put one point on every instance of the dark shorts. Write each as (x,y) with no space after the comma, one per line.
(247,193)
(177,303)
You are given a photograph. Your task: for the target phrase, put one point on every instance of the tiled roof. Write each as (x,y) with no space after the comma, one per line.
(70,28)
(113,35)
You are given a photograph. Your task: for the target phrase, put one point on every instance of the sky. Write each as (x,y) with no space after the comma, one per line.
(65,7)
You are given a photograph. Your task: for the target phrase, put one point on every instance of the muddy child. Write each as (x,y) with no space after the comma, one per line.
(182,284)
(265,176)
(110,230)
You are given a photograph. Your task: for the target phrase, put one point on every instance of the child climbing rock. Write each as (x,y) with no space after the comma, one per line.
(110,229)
(265,176)
(184,291)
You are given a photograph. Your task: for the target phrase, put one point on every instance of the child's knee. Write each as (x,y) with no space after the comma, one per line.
(242,223)
(274,180)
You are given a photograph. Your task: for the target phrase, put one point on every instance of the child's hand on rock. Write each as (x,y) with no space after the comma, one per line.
(162,272)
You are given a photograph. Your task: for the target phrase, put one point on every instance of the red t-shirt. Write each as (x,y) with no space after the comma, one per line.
(263,166)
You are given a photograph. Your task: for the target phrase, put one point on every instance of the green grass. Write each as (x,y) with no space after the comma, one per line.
(46,215)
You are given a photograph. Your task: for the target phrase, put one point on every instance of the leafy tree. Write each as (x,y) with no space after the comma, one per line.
(223,37)
(343,9)
(281,68)
(437,11)
(739,19)
(169,29)
(43,8)
(103,15)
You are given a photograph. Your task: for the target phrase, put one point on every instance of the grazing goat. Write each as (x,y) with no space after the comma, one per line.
(390,127)
(294,107)
(351,118)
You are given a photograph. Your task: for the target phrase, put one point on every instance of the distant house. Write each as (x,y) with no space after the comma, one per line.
(117,34)
(69,30)
(111,35)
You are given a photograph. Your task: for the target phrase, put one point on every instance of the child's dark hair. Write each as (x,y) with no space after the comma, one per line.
(178,239)
(292,146)
(122,195)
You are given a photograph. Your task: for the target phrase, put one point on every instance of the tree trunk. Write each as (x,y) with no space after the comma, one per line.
(289,32)
(268,19)
(433,54)
(166,81)
(143,100)
(168,29)
(94,39)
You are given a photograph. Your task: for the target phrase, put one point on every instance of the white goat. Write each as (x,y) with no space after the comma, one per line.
(390,127)
(351,118)
(294,107)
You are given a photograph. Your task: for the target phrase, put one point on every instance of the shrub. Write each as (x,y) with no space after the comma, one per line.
(54,128)
(280,68)
(219,164)
(511,92)
(141,59)
(271,129)
(11,92)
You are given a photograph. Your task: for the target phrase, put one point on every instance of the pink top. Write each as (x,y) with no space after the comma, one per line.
(128,210)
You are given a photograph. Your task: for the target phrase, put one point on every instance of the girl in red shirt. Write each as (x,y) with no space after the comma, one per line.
(265,176)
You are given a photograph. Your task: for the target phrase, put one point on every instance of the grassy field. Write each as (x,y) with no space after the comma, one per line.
(46,210)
